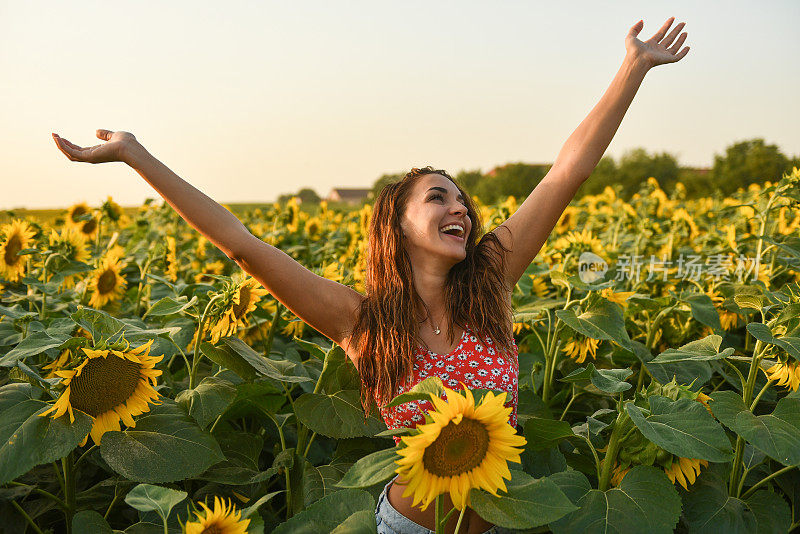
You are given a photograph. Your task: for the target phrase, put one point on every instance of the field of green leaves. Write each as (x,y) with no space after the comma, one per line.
(148,385)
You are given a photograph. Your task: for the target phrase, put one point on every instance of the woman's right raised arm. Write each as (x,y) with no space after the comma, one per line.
(327,306)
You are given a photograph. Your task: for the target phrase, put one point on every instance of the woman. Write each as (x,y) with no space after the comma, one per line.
(427,273)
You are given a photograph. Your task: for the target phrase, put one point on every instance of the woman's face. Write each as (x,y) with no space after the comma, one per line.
(435,204)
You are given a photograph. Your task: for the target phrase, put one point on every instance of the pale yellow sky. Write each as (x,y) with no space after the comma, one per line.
(248,100)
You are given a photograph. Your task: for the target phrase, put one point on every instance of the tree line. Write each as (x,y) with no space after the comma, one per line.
(744,163)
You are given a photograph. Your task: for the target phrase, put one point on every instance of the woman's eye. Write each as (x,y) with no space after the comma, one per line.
(437,195)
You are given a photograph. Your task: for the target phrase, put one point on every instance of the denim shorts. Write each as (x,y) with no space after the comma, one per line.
(390,521)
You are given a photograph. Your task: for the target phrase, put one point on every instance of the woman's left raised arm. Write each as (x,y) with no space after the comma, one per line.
(532,223)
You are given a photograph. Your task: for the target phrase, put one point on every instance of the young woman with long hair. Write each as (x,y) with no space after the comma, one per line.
(429,269)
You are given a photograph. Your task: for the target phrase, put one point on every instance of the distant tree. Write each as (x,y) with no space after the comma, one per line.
(308,195)
(604,174)
(469,180)
(748,162)
(515,179)
(636,166)
(382,182)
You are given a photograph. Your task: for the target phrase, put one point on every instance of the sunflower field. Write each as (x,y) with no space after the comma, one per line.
(147,384)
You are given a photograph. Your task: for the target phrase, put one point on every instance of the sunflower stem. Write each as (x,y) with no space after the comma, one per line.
(438,507)
(460,517)
(611,452)
(67,464)
(27,517)
(61,504)
(196,354)
(571,400)
(763,390)
(766,479)
(272,329)
(747,398)
(82,456)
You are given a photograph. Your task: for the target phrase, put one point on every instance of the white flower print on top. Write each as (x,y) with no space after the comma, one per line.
(473,363)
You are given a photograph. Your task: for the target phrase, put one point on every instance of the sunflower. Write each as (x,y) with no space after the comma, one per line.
(684,470)
(18,236)
(221,520)
(785,374)
(172,259)
(620,297)
(578,349)
(538,286)
(109,385)
(106,283)
(242,300)
(294,328)
(57,364)
(464,446)
(729,320)
(576,242)
(214,267)
(71,244)
(87,228)
(112,210)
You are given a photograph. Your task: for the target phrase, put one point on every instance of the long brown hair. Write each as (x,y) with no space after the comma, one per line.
(384,333)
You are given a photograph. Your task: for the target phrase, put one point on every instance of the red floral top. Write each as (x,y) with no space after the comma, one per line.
(478,365)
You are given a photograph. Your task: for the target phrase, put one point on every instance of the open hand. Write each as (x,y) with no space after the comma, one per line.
(658,49)
(115,149)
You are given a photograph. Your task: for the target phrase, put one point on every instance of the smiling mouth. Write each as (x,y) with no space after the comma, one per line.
(457,237)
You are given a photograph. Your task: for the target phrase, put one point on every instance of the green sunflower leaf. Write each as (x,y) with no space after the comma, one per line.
(763,333)
(645,502)
(545,433)
(338,415)
(208,400)
(771,510)
(169,306)
(28,439)
(603,320)
(371,469)
(683,427)
(149,498)
(776,434)
(324,516)
(527,503)
(705,349)
(90,521)
(166,445)
(707,507)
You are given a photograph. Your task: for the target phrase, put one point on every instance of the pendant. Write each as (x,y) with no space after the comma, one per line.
(436,331)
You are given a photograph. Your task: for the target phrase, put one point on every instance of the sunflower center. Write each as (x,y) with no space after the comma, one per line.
(244,301)
(13,246)
(77,213)
(213,528)
(89,226)
(458,449)
(107,282)
(104,383)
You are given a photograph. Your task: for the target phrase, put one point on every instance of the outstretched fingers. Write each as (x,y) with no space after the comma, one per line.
(663,31)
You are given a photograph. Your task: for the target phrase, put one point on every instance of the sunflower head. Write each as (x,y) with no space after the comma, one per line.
(238,300)
(579,347)
(106,283)
(461,446)
(14,237)
(109,385)
(223,519)
(785,374)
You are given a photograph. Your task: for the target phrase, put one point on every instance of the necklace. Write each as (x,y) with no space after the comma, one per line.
(436,329)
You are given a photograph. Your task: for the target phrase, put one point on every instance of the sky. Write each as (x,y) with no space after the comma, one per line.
(249,100)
